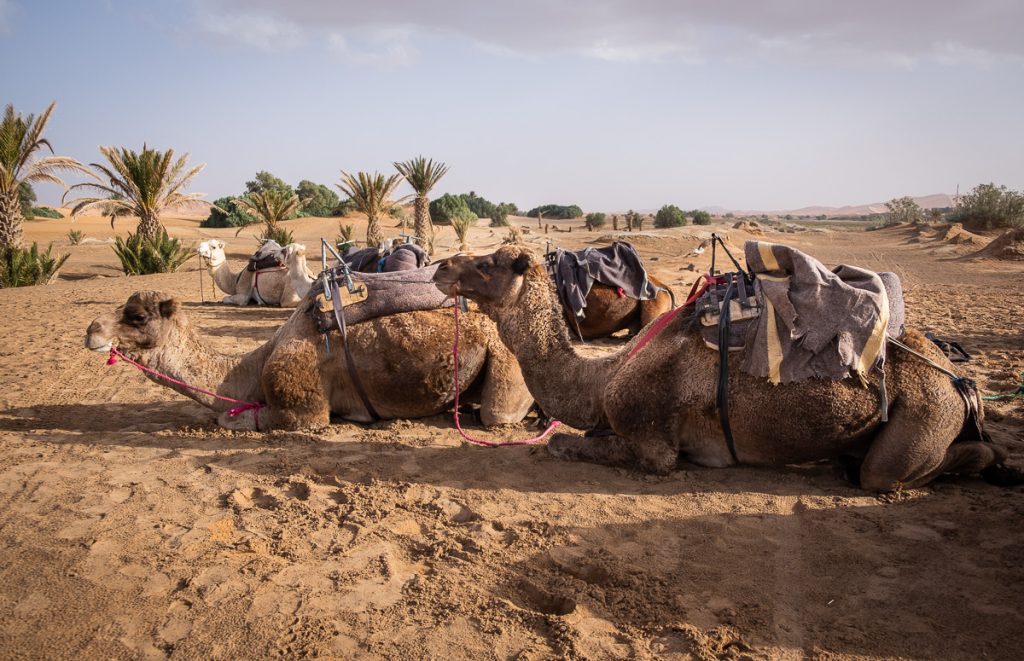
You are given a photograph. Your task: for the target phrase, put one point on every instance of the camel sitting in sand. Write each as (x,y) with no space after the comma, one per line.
(404,362)
(609,312)
(649,410)
(264,287)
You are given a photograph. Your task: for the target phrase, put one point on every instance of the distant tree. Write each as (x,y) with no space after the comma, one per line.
(634,221)
(989,206)
(902,210)
(316,199)
(422,174)
(595,220)
(700,217)
(447,207)
(264,181)
(556,211)
(501,213)
(669,216)
(27,199)
(224,213)
(270,206)
(371,194)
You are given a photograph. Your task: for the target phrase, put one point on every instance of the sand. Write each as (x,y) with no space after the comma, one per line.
(132,527)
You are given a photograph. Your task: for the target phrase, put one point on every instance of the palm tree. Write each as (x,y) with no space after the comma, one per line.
(270,207)
(422,175)
(20,140)
(144,184)
(370,193)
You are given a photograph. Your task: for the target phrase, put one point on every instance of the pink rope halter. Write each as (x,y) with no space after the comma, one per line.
(479,441)
(242,408)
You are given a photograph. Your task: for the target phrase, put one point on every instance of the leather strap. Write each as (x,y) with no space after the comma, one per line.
(353,375)
(722,395)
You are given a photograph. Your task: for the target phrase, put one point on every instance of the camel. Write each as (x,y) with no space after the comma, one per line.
(404,362)
(608,312)
(298,271)
(650,410)
(269,287)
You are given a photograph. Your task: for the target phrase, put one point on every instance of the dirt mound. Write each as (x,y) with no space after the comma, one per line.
(749,226)
(956,233)
(1009,245)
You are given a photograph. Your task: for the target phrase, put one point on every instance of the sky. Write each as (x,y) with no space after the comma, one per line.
(608,104)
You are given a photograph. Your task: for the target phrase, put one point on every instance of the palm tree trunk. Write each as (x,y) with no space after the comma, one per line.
(374,235)
(10,220)
(149,226)
(422,226)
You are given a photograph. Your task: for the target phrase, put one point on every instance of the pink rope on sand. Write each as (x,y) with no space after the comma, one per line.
(242,408)
(479,441)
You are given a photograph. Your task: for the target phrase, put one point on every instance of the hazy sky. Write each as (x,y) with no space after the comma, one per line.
(609,104)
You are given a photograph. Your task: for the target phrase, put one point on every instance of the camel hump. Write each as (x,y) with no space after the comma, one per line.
(618,266)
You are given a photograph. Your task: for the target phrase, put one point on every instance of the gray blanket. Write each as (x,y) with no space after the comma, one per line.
(403,257)
(392,293)
(815,322)
(617,265)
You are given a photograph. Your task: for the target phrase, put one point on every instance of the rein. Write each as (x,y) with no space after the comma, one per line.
(479,441)
(241,408)
(659,325)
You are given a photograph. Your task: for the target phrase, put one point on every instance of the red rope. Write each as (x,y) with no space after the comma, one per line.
(244,406)
(479,441)
(662,321)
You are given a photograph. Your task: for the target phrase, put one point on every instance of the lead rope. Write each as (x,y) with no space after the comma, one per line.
(479,441)
(242,408)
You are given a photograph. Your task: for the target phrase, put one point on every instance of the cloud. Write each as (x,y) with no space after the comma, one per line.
(386,47)
(903,33)
(252,29)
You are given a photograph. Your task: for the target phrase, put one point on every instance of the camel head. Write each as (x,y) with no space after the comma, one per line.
(494,279)
(295,254)
(145,322)
(212,252)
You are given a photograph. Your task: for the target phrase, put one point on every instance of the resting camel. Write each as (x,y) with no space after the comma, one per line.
(298,271)
(271,287)
(608,312)
(403,361)
(650,410)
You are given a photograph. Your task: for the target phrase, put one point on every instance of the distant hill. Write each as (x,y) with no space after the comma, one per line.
(937,200)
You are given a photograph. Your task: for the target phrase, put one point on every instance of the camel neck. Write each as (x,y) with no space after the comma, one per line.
(184,357)
(226,281)
(567,385)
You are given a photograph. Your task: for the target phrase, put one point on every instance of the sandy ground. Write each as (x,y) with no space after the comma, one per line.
(134,528)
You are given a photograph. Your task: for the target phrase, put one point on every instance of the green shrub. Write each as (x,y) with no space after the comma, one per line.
(595,220)
(669,216)
(346,237)
(700,217)
(44,212)
(234,217)
(26,198)
(317,199)
(557,211)
(22,267)
(75,237)
(275,233)
(447,207)
(990,207)
(461,225)
(159,254)
(903,210)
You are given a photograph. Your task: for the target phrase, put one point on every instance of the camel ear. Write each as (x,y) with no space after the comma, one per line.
(169,307)
(521,264)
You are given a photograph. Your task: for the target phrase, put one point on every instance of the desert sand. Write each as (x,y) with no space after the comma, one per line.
(132,527)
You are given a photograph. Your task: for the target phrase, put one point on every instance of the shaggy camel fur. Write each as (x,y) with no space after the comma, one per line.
(404,362)
(650,410)
(298,271)
(275,287)
(607,312)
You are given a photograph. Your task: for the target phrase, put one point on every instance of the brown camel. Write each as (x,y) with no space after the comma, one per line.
(404,362)
(650,410)
(608,312)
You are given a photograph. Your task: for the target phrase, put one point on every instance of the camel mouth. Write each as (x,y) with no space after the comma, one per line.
(104,348)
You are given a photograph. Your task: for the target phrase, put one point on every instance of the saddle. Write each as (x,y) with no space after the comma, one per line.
(269,256)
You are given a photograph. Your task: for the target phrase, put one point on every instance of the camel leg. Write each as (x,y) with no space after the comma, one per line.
(295,395)
(653,456)
(916,446)
(504,398)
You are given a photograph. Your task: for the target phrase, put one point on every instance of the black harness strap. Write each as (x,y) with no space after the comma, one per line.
(722,396)
(339,316)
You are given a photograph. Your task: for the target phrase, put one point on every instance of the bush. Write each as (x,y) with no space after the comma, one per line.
(700,217)
(275,233)
(502,212)
(447,207)
(989,207)
(556,211)
(669,216)
(233,218)
(75,237)
(902,210)
(317,199)
(159,254)
(595,220)
(26,198)
(22,267)
(44,212)
(346,237)
(344,208)
(461,225)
